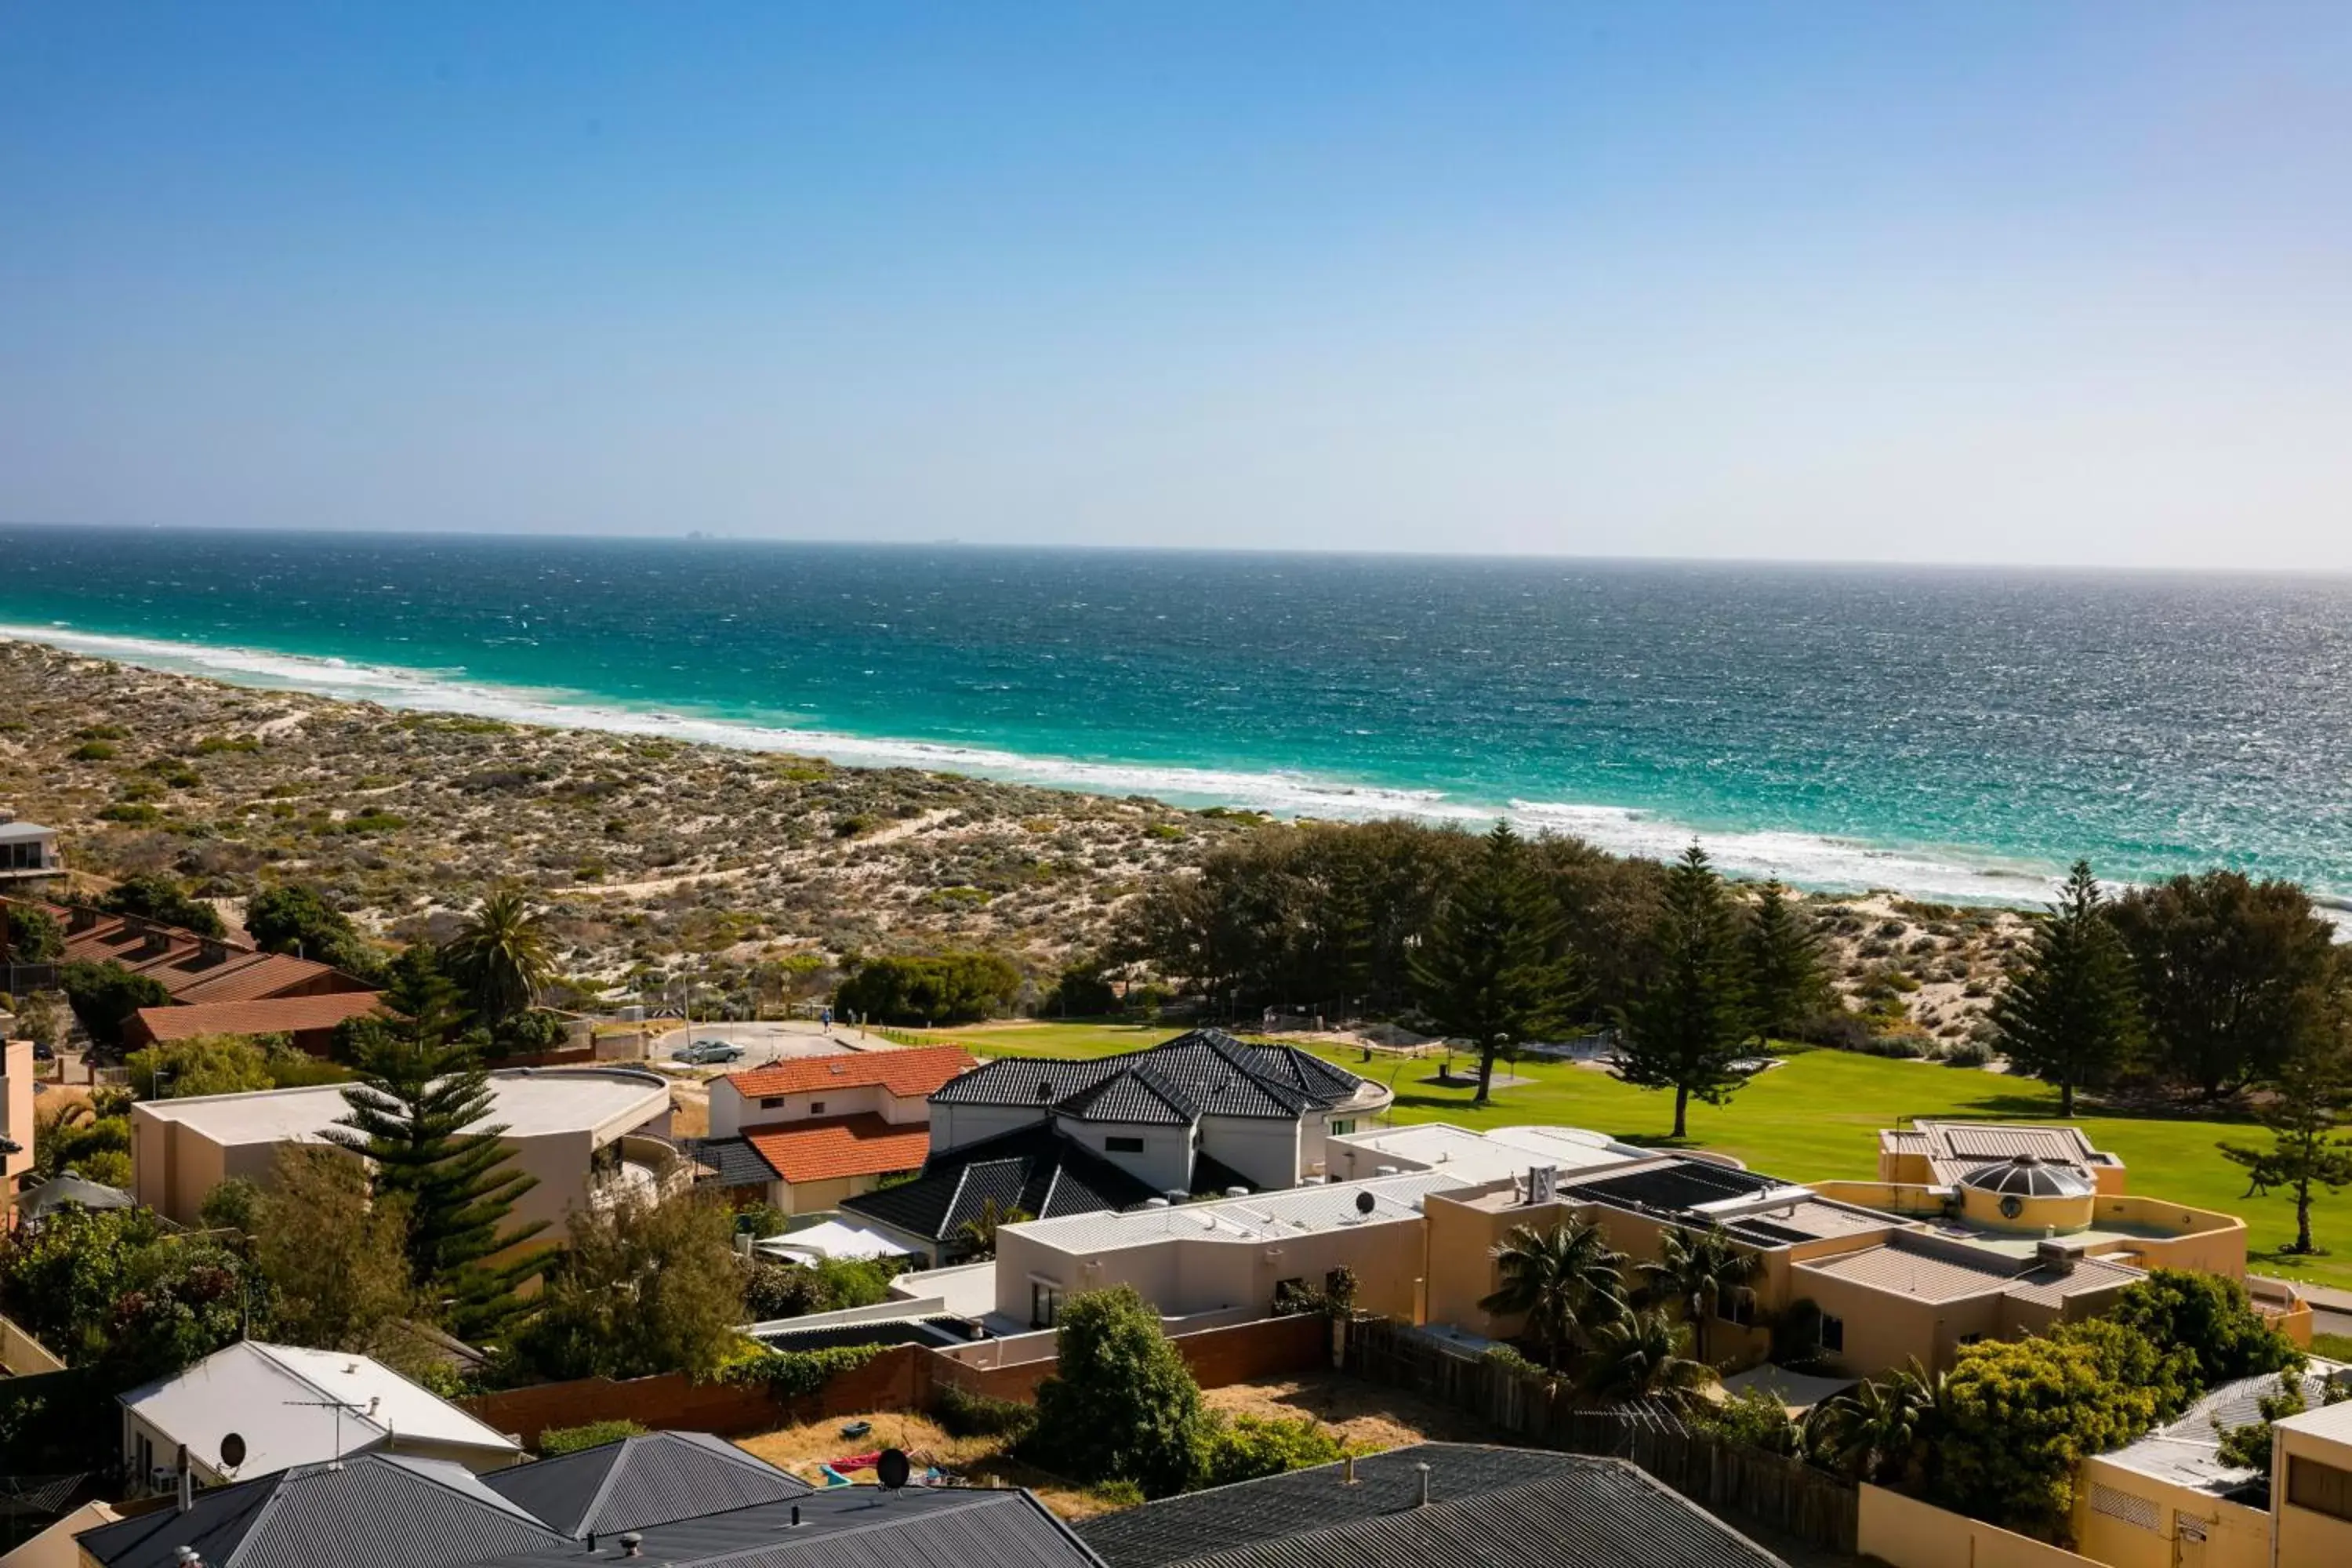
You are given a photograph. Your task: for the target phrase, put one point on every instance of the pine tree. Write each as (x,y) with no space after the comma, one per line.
(420,1112)
(2310,1145)
(1493,968)
(1786,983)
(2069,1013)
(1689,1022)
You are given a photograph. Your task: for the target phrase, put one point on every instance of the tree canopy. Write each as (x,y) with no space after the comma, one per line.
(643,1287)
(295,917)
(1493,968)
(1689,1022)
(335,1257)
(2068,1014)
(947,988)
(165,901)
(105,995)
(1121,1405)
(500,958)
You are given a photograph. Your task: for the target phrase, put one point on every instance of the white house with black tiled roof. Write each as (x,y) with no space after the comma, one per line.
(1260,1111)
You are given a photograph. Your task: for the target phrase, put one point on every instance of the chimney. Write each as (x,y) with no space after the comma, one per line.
(212,949)
(187,1481)
(632,1544)
(80,918)
(1422,1478)
(1348,1469)
(796,1516)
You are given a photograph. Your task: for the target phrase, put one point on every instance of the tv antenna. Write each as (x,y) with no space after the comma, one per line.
(338,1406)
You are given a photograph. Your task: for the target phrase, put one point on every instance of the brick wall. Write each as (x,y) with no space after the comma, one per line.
(893,1379)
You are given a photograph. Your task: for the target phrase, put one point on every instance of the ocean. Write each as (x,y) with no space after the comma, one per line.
(1951,734)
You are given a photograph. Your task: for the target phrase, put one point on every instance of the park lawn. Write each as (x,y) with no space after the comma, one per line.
(1814,1118)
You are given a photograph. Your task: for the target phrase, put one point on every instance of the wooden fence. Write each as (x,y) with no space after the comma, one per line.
(1785,1493)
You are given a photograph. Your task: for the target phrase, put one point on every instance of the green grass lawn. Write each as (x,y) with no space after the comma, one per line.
(1815,1118)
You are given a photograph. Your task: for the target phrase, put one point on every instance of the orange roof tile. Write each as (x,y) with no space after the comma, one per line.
(861,1145)
(909,1074)
(269,1015)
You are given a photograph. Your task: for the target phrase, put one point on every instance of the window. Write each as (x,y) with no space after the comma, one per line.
(1123,1145)
(816,1108)
(1342,1128)
(1971,1339)
(1832,1332)
(769,1102)
(1739,1306)
(1044,1303)
(2321,1488)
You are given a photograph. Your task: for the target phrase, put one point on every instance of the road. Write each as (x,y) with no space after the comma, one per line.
(771,1042)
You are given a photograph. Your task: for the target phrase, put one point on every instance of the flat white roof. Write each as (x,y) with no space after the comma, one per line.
(1268,1217)
(15,831)
(2330,1421)
(530,1102)
(1498,1152)
(275,1398)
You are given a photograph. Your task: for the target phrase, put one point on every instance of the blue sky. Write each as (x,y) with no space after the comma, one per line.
(1976,281)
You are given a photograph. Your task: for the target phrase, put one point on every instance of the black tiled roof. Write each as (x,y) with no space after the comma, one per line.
(1206,1072)
(1042,1173)
(858,1527)
(739,1164)
(374,1510)
(644,1480)
(1135,1095)
(1488,1506)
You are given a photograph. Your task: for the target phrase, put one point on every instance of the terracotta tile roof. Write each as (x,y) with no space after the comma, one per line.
(269,1015)
(862,1145)
(910,1074)
(192,968)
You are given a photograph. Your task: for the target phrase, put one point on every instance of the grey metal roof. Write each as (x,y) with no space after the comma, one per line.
(1042,1173)
(2187,1450)
(856,1527)
(55,1193)
(1198,1524)
(1206,1072)
(377,1510)
(653,1479)
(1608,1514)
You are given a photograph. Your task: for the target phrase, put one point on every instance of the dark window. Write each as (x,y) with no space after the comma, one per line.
(1044,1304)
(1739,1306)
(769,1102)
(1832,1332)
(1124,1145)
(816,1108)
(2321,1488)
(1341,1129)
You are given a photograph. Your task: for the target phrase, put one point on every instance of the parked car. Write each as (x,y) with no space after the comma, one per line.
(709,1053)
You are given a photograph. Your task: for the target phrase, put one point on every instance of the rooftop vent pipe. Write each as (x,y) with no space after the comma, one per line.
(1421,1476)
(1348,1470)
(632,1544)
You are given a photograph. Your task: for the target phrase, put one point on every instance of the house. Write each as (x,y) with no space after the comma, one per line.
(17,1084)
(190,967)
(803,1135)
(27,850)
(2311,1487)
(681,1499)
(54,1547)
(1035,1170)
(2135,1505)
(1429,1504)
(250,1408)
(639,1482)
(1262,1111)
(1237,1254)
(308,1022)
(588,1134)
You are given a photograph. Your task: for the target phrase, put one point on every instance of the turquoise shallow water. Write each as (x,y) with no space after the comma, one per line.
(1953,734)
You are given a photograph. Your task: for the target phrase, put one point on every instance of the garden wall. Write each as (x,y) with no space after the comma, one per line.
(894,1380)
(1904,1532)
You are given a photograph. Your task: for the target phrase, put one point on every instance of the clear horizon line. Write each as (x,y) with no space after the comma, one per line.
(703,536)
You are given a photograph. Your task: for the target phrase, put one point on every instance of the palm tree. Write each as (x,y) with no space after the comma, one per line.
(1640,1356)
(1563,1279)
(501,955)
(1698,1271)
(977,1236)
(1874,1432)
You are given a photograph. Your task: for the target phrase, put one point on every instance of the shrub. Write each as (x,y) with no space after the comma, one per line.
(33,934)
(1121,1405)
(1253,1446)
(557,1441)
(1755,1418)
(160,899)
(2210,1317)
(2018,1416)
(104,995)
(95,752)
(968,1414)
(951,988)
(788,1374)
(1967,1054)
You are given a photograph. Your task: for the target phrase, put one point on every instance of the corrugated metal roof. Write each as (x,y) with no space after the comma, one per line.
(2187,1449)
(642,1481)
(1932,1271)
(374,1512)
(1495,1508)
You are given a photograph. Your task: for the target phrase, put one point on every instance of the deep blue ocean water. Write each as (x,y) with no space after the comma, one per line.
(1949,733)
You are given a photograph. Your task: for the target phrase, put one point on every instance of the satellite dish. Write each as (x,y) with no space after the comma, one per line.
(891,1469)
(1366,1202)
(232,1449)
